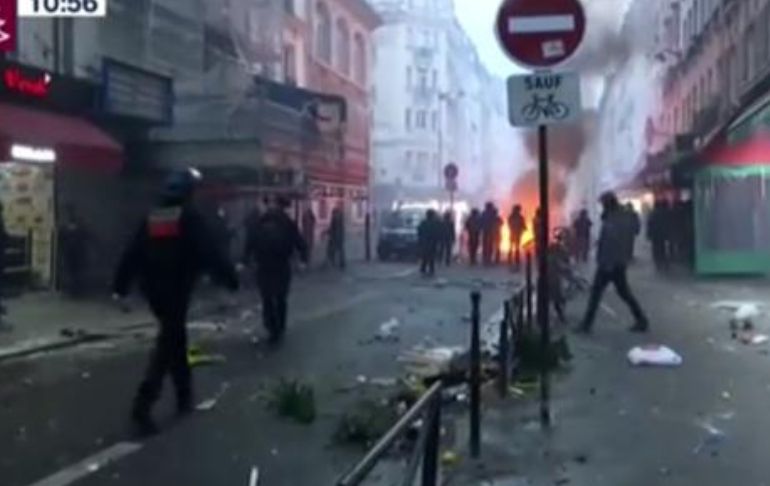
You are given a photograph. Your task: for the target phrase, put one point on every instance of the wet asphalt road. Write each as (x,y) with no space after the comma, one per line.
(58,409)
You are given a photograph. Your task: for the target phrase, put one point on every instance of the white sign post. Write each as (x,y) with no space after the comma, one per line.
(543,99)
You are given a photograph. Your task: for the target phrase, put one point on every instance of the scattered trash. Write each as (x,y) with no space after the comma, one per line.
(85,375)
(361,379)
(427,362)
(247,314)
(196,357)
(209,404)
(387,331)
(727,395)
(664,471)
(714,437)
(93,467)
(293,399)
(384,382)
(450,458)
(726,416)
(562,481)
(209,326)
(755,339)
(254,476)
(274,452)
(440,283)
(368,421)
(654,355)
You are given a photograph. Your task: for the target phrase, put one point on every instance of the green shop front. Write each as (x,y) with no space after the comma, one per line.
(732,204)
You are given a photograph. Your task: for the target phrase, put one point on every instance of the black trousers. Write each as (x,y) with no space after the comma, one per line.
(428,261)
(487,250)
(169,356)
(619,279)
(473,249)
(274,285)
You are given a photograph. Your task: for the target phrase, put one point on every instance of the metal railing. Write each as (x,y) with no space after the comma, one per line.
(428,407)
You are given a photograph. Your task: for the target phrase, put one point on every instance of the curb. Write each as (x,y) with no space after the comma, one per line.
(63,343)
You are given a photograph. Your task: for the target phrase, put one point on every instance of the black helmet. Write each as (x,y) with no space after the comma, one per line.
(181,183)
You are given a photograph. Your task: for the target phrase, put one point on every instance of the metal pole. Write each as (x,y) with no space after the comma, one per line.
(430,458)
(475,377)
(368,235)
(504,347)
(542,280)
(529,291)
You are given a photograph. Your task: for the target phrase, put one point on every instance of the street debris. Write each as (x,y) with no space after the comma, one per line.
(294,400)
(450,458)
(654,355)
(85,375)
(254,476)
(196,357)
(387,330)
(383,382)
(726,395)
(581,459)
(428,362)
(368,421)
(209,326)
(714,437)
(209,404)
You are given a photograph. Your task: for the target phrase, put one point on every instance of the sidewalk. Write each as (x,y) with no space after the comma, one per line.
(48,321)
(616,424)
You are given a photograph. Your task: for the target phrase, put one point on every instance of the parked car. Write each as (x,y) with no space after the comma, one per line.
(398,235)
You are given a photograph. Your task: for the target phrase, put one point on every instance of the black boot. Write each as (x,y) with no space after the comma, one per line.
(144,424)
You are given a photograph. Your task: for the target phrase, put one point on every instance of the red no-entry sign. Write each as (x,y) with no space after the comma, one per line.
(540,33)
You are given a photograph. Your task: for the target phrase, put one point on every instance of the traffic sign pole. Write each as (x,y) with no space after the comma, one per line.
(543,289)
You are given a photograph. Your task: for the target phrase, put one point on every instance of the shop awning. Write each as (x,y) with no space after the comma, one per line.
(752,151)
(77,142)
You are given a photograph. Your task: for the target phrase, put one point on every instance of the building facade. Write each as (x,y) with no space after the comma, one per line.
(431,101)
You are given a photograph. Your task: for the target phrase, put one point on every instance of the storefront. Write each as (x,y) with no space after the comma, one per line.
(732,206)
(44,130)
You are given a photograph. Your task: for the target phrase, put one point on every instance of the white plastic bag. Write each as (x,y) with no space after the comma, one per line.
(654,355)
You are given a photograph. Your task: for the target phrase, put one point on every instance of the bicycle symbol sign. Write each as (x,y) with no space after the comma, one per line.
(543,99)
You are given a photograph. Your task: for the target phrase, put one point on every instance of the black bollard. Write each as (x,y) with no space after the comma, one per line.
(430,457)
(368,236)
(475,378)
(504,350)
(528,291)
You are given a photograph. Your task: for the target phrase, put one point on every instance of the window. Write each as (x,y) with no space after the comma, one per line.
(434,79)
(422,119)
(359,59)
(323,33)
(288,7)
(408,161)
(434,120)
(290,64)
(422,78)
(409,77)
(408,119)
(342,47)
(421,167)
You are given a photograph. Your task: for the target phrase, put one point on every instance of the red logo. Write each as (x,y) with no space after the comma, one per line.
(15,80)
(7,25)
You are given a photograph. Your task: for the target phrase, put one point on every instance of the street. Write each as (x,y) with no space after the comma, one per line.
(62,408)
(64,414)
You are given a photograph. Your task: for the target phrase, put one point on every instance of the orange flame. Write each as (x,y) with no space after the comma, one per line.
(505,239)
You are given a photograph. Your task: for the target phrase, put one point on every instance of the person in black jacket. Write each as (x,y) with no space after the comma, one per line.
(428,236)
(473,228)
(448,238)
(271,246)
(169,252)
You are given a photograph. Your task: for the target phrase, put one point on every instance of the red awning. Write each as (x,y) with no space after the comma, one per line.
(78,143)
(752,151)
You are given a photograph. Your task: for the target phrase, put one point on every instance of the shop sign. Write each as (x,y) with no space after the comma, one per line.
(37,85)
(31,85)
(33,154)
(132,92)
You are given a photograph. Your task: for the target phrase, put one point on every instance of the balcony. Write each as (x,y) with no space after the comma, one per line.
(708,118)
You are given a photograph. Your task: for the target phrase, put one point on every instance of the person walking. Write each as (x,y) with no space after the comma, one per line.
(473,228)
(613,256)
(517,225)
(271,248)
(73,241)
(308,231)
(657,229)
(582,230)
(336,233)
(448,238)
(488,223)
(428,236)
(171,249)
(497,231)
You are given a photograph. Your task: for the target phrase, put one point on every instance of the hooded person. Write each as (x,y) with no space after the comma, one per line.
(612,258)
(517,226)
(171,249)
(473,228)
